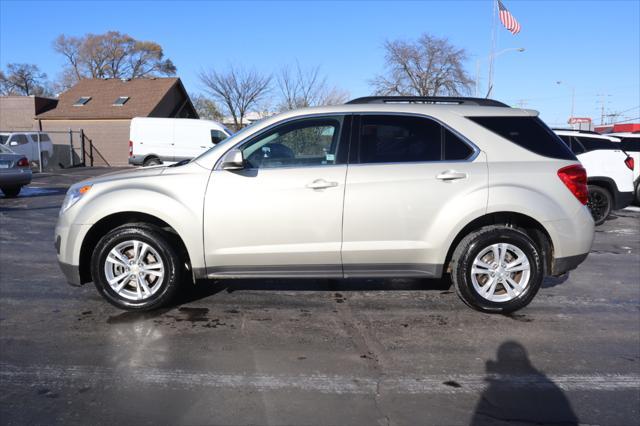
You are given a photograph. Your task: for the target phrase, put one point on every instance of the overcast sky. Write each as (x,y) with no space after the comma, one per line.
(593,46)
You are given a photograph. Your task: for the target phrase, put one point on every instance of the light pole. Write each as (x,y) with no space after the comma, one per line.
(491,67)
(573,96)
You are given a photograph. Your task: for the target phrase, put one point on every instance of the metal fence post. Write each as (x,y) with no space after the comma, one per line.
(70,147)
(91,152)
(39,154)
(84,159)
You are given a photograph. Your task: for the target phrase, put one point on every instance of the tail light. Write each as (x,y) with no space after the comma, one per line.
(575,178)
(130,149)
(629,162)
(23,162)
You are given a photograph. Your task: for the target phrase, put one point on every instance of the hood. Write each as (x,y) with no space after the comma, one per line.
(127,174)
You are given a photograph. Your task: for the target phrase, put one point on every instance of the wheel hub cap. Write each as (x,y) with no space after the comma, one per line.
(134,270)
(500,272)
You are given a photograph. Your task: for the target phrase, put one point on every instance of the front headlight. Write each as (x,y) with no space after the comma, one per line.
(73,196)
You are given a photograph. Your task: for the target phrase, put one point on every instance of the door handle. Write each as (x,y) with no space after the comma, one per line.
(449,175)
(321,184)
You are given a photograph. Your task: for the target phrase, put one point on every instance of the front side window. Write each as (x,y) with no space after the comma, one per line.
(311,142)
(399,139)
(21,139)
(217,136)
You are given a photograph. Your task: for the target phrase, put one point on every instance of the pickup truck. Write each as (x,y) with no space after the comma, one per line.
(26,143)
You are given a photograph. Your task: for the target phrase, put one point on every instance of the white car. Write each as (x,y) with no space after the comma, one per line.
(609,170)
(380,187)
(154,141)
(630,143)
(26,143)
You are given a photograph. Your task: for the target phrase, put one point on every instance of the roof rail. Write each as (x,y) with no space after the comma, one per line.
(427,100)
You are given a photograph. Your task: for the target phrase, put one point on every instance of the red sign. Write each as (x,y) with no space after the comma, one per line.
(578,120)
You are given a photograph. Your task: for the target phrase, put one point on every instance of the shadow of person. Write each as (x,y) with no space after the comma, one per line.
(520,394)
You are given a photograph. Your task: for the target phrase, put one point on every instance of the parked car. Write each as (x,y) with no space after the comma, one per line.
(26,143)
(609,171)
(379,187)
(14,172)
(630,143)
(155,141)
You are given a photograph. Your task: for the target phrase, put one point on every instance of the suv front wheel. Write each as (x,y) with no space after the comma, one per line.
(497,269)
(135,267)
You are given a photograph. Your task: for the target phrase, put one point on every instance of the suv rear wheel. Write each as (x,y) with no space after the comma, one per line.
(135,267)
(599,203)
(497,269)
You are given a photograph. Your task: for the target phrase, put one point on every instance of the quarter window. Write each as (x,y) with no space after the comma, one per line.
(217,136)
(312,142)
(454,148)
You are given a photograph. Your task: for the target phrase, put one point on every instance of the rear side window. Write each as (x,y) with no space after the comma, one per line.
(592,144)
(575,146)
(528,132)
(402,139)
(630,144)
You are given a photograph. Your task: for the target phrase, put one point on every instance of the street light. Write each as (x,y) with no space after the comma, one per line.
(491,58)
(573,96)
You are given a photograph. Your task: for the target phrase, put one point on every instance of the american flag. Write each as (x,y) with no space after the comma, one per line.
(508,20)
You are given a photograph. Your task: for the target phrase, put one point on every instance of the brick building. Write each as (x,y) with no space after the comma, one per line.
(104,109)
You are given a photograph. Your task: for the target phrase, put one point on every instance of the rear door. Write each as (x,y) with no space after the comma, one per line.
(409,182)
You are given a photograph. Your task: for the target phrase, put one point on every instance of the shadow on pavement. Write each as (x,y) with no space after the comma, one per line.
(518,392)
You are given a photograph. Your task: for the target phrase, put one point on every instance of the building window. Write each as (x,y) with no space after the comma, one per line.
(82,101)
(121,101)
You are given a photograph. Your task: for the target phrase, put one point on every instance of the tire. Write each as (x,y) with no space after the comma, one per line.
(11,191)
(476,247)
(131,294)
(637,194)
(151,161)
(599,204)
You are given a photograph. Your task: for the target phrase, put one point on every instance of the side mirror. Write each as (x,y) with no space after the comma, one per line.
(13,143)
(233,160)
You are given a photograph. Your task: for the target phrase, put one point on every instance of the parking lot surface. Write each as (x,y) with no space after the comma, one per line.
(313,352)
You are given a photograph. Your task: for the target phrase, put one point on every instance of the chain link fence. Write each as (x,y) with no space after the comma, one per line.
(54,149)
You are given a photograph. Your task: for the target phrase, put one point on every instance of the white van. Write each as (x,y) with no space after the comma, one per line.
(154,141)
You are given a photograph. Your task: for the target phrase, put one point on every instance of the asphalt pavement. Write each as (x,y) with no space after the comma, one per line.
(313,352)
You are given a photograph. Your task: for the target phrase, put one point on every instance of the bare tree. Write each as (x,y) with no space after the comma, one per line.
(110,55)
(206,107)
(429,66)
(237,89)
(304,88)
(23,79)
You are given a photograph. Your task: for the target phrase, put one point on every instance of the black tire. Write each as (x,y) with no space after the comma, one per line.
(476,242)
(11,191)
(599,203)
(159,241)
(151,161)
(637,194)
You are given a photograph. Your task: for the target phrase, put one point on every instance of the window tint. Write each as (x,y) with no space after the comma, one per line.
(592,144)
(454,147)
(21,139)
(217,136)
(397,139)
(630,144)
(44,137)
(575,146)
(529,133)
(312,142)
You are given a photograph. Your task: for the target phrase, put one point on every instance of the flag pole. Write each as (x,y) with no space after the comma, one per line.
(493,47)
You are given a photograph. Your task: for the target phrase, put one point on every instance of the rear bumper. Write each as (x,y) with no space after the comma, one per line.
(136,160)
(622,200)
(562,265)
(15,178)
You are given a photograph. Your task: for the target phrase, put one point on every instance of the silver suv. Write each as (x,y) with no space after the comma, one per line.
(379,187)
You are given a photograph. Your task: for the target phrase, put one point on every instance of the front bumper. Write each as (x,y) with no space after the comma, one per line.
(71,273)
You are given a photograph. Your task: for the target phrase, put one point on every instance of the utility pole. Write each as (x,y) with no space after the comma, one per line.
(602,100)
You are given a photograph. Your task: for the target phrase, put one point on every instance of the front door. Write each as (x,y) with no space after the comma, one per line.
(281,215)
